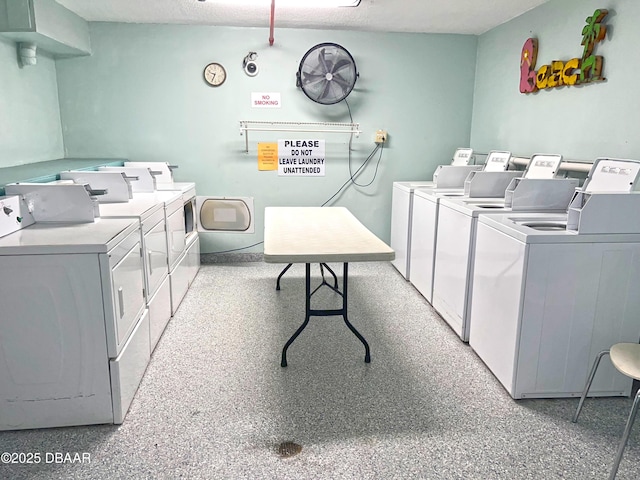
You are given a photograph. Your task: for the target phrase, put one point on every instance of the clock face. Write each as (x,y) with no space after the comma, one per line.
(215,74)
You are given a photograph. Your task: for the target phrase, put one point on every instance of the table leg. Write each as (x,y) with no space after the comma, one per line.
(367,354)
(325,313)
(335,278)
(307,286)
(284,270)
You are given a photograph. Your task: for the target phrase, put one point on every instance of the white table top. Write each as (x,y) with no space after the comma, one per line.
(319,235)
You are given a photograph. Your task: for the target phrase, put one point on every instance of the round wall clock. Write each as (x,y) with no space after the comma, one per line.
(215,74)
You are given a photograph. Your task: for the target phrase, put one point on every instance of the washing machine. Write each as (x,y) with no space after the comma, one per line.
(452,176)
(537,190)
(552,291)
(492,181)
(74,342)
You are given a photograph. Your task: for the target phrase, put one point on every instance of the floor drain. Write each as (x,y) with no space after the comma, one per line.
(289,449)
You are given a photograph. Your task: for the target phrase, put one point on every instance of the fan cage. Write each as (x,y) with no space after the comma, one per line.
(324,91)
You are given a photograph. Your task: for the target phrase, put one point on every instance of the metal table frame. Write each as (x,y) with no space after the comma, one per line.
(310,312)
(320,235)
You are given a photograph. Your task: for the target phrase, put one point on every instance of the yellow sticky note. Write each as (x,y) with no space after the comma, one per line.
(268,156)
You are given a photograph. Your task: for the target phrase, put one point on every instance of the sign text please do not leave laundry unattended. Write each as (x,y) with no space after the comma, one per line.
(301,158)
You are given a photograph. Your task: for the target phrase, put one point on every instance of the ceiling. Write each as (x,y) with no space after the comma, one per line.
(425,16)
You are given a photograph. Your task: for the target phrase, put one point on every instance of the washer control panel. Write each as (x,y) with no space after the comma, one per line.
(14,214)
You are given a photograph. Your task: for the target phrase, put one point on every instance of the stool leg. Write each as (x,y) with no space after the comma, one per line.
(625,436)
(588,385)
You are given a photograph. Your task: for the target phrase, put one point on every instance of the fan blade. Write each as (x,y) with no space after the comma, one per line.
(325,66)
(311,77)
(340,65)
(326,91)
(341,81)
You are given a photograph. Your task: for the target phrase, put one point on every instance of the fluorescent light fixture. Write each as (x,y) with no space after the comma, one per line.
(292,3)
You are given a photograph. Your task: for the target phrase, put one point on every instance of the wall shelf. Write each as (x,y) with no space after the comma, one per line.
(247,126)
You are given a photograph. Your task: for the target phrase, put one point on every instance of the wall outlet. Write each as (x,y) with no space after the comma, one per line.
(381,136)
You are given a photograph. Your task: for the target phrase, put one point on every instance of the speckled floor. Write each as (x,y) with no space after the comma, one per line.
(215,403)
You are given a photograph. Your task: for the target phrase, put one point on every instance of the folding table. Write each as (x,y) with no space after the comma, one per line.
(320,235)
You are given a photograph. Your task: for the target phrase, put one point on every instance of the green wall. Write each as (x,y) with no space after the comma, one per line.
(582,122)
(29,113)
(140,95)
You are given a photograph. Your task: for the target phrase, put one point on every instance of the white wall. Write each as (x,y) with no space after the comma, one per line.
(141,95)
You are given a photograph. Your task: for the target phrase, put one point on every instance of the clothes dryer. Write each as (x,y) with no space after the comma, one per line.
(185,263)
(75,332)
(149,209)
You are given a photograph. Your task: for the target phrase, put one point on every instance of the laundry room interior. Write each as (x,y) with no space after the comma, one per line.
(187,186)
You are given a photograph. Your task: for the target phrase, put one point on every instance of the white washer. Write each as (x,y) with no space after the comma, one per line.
(456,225)
(545,302)
(424,215)
(402,204)
(402,201)
(74,343)
(551,291)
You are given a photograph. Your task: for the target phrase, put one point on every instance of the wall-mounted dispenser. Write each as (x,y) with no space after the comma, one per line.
(27,53)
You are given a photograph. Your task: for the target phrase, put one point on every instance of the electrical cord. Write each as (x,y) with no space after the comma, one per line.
(375,173)
(236,249)
(352,176)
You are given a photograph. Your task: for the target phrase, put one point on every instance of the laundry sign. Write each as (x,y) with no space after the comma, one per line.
(265,100)
(298,158)
(267,156)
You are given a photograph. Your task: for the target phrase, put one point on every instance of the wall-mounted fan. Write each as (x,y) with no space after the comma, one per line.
(327,73)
